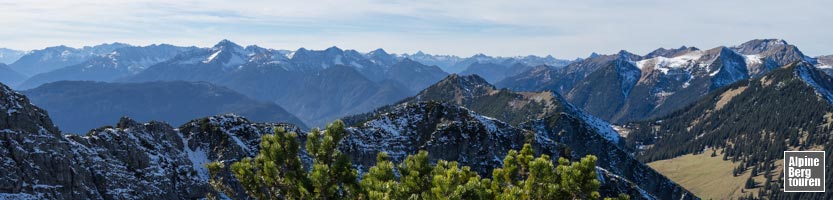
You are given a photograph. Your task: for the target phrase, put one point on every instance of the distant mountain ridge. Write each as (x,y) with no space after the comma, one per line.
(324,85)
(9,76)
(825,63)
(103,63)
(79,106)
(119,63)
(8,56)
(457,64)
(626,87)
(52,58)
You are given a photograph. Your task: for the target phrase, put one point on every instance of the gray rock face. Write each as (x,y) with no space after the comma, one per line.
(130,161)
(449,119)
(446,131)
(450,132)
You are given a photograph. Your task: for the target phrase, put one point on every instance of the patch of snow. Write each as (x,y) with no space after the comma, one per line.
(12,102)
(714,73)
(664,64)
(752,60)
(628,77)
(357,65)
(664,94)
(240,142)
(197,157)
(606,130)
(19,196)
(487,122)
(211,58)
(806,75)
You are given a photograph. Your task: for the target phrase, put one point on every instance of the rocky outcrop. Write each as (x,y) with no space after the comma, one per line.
(451,132)
(129,161)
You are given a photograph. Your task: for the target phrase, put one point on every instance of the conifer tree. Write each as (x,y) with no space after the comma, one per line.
(579,178)
(380,180)
(275,171)
(449,181)
(415,171)
(750,183)
(332,174)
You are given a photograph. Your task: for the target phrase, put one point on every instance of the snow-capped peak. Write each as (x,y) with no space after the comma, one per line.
(228,54)
(664,64)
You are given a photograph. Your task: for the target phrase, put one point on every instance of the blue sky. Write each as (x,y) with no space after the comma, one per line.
(564,29)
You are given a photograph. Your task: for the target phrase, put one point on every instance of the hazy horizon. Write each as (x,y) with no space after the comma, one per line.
(564,30)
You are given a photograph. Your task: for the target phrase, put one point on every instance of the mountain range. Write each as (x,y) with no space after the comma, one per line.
(318,86)
(728,110)
(455,64)
(626,87)
(376,78)
(154,160)
(746,127)
(113,65)
(9,76)
(8,56)
(52,58)
(173,102)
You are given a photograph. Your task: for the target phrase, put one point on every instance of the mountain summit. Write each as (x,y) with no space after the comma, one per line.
(463,116)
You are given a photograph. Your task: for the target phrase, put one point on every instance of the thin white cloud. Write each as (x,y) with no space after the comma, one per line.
(564,29)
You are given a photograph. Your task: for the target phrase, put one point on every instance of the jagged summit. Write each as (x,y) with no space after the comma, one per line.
(464,81)
(762,44)
(333,49)
(479,55)
(226,43)
(379,51)
(456,87)
(469,129)
(126,122)
(17,114)
(669,53)
(624,53)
